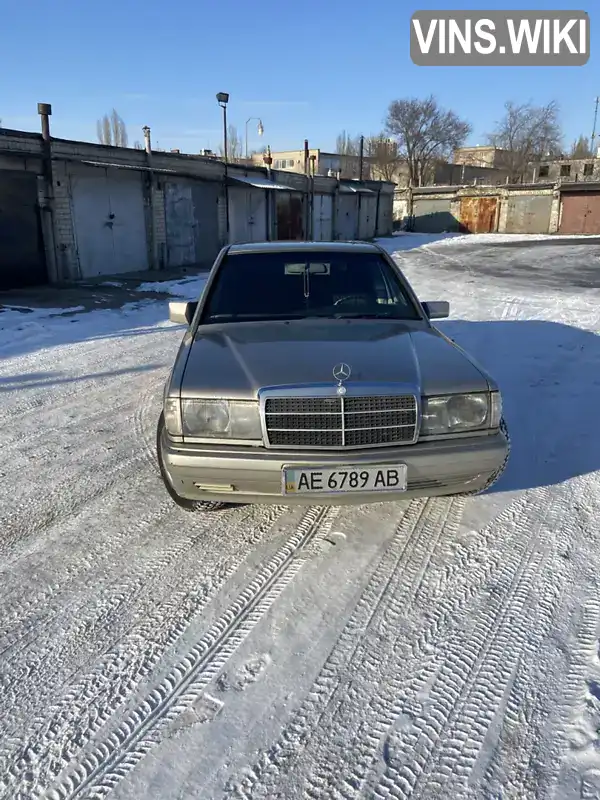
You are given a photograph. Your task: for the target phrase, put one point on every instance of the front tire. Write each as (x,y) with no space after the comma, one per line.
(182,502)
(497,474)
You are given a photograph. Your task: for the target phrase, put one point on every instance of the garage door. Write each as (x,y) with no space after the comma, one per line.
(346,217)
(110,225)
(367,216)
(580,213)
(385,217)
(290,216)
(528,214)
(22,259)
(432,215)
(478,214)
(247,215)
(322,217)
(191,215)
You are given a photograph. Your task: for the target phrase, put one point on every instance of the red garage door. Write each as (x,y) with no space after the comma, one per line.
(580,213)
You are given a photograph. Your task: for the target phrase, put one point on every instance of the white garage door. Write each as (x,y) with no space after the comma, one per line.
(110,226)
(247,215)
(322,217)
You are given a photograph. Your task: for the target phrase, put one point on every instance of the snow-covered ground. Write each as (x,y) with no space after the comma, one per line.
(444,648)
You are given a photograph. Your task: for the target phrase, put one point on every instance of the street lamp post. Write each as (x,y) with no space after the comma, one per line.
(222,100)
(260,129)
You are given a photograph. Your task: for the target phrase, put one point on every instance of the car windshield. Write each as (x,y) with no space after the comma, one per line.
(288,285)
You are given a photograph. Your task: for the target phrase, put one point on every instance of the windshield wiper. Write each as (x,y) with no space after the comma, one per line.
(368,316)
(253,317)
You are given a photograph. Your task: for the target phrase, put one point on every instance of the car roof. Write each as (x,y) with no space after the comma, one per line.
(299,247)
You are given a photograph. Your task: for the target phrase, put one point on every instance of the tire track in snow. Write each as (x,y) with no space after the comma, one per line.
(522,750)
(59,732)
(145,429)
(577,712)
(66,630)
(76,416)
(471,678)
(62,502)
(400,570)
(103,765)
(138,423)
(367,648)
(92,356)
(59,504)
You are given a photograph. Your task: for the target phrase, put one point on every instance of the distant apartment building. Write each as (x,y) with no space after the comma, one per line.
(381,168)
(324,163)
(483,156)
(564,170)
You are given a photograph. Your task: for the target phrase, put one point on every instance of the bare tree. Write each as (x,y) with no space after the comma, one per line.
(424,134)
(527,133)
(346,145)
(383,156)
(581,148)
(137,145)
(235,145)
(111,130)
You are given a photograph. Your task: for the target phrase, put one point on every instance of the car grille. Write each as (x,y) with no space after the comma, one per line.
(338,422)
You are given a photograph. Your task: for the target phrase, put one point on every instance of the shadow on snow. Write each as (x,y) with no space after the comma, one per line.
(549,374)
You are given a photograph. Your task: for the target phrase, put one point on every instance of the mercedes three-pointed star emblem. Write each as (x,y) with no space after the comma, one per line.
(341,372)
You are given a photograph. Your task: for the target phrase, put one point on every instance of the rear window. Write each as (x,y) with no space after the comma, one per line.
(280,285)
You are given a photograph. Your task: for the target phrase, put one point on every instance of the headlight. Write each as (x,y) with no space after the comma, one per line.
(172,412)
(221,419)
(458,413)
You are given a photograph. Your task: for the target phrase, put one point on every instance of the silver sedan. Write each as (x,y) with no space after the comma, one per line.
(310,373)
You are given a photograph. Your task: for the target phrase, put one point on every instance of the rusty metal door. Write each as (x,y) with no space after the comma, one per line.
(478,214)
(580,213)
(289,217)
(22,257)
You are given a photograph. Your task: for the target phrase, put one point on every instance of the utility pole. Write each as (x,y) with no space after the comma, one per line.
(361,158)
(594,128)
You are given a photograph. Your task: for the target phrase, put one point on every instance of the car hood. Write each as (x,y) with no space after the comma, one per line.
(237,359)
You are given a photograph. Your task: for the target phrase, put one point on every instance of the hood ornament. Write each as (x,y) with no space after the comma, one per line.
(341,372)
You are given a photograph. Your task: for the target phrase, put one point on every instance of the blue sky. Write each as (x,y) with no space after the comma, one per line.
(308,70)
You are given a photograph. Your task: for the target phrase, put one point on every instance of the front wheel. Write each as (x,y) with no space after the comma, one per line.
(497,474)
(182,502)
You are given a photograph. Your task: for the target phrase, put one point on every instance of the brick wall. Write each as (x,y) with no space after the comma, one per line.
(64,228)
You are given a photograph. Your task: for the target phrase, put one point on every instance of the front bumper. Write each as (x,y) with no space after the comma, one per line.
(247,475)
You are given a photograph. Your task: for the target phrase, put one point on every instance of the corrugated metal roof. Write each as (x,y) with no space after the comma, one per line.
(345,188)
(263,183)
(137,167)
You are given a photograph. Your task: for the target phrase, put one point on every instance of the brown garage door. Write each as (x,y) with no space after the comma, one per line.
(478,214)
(580,213)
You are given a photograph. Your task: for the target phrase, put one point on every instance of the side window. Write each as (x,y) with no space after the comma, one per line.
(381,287)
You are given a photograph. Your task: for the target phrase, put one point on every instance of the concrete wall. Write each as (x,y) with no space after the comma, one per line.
(74,217)
(506,209)
(461,174)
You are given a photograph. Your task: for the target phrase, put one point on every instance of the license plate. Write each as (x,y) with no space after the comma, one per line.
(339,480)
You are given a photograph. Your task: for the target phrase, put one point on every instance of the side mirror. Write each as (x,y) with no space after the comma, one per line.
(437,309)
(182,313)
